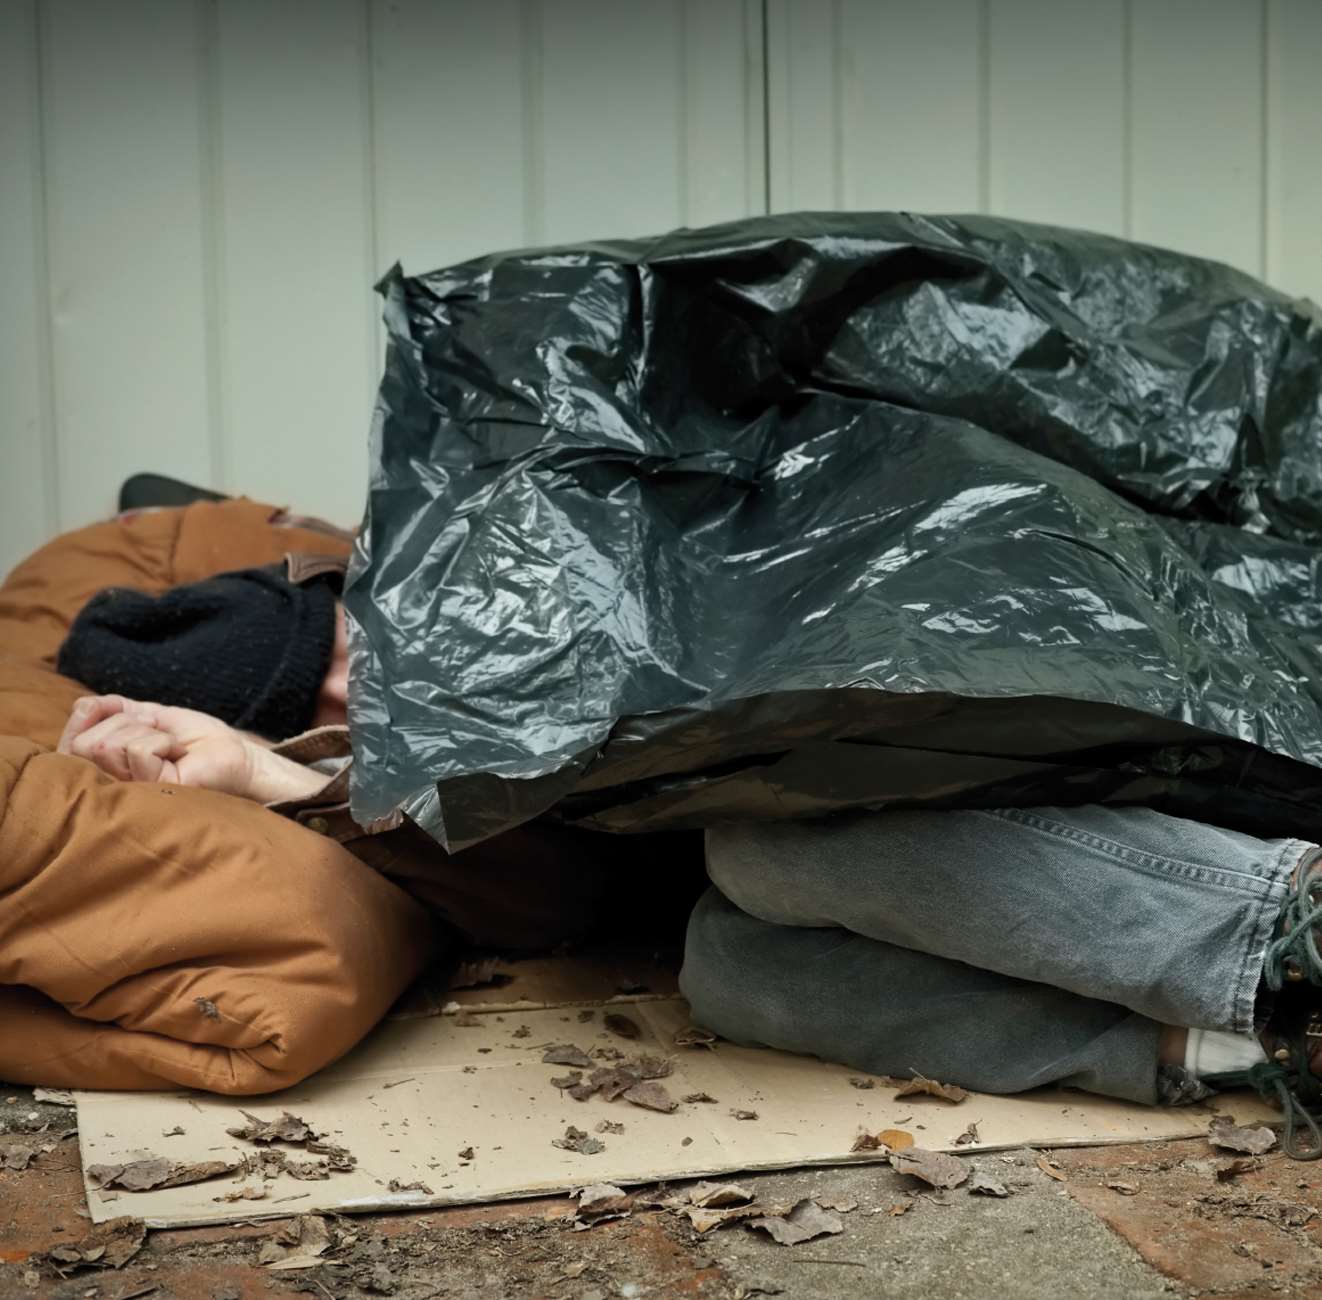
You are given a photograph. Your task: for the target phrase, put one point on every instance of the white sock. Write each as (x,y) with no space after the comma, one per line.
(1213,1051)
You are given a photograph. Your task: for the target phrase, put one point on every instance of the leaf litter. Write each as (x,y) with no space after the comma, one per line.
(1231,1137)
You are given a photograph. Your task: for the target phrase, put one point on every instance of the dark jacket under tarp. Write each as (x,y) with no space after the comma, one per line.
(825,511)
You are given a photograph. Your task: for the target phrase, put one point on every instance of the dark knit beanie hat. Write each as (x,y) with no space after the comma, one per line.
(250,648)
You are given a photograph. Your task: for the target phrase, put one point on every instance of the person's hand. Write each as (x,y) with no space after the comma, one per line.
(132,740)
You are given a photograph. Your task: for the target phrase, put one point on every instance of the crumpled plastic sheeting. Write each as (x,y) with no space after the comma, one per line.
(832,511)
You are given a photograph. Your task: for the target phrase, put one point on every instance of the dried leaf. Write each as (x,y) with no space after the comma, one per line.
(918,1084)
(207,1007)
(1125,1189)
(856,1082)
(474,974)
(981,1184)
(716,1196)
(396,1186)
(1229,1166)
(288,1128)
(298,1245)
(651,1067)
(695,1036)
(621,1026)
(968,1136)
(704,1219)
(933,1167)
(567,1054)
(611,1081)
(867,1142)
(16,1158)
(899,1208)
(339,1159)
(603,1201)
(107,1245)
(1230,1137)
(841,1207)
(1051,1170)
(243,1194)
(744,1114)
(576,1140)
(698,1098)
(157,1172)
(652,1096)
(564,1081)
(54,1096)
(804,1222)
(895,1139)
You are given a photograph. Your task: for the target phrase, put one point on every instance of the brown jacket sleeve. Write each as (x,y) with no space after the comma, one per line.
(531,888)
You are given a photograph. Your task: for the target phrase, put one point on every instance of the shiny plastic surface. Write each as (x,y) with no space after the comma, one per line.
(840,510)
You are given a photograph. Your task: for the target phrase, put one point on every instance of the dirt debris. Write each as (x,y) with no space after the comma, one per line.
(287,1128)
(207,1007)
(698,1099)
(575,1139)
(394,1185)
(736,1113)
(107,1245)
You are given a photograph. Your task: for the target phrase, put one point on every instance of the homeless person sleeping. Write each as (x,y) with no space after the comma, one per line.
(1111,946)
(1133,960)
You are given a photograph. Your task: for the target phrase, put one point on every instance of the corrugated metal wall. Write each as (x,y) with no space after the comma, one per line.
(196,195)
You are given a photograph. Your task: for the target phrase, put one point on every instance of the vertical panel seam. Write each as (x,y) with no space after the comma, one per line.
(766,106)
(1264,142)
(41,275)
(531,33)
(371,238)
(1127,119)
(837,108)
(211,180)
(984,106)
(683,146)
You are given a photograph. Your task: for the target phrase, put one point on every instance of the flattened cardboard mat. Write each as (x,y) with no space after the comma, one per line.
(462,1107)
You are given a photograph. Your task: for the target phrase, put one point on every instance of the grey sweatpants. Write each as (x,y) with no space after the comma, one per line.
(999,950)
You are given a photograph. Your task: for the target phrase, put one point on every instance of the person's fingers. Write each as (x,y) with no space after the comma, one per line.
(146,754)
(87,712)
(106,744)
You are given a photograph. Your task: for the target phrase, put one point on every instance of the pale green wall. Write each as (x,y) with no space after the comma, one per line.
(196,195)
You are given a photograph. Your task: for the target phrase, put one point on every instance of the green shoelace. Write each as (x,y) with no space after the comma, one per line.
(1293,957)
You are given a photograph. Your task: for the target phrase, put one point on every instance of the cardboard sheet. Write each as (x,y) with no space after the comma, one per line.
(416,1096)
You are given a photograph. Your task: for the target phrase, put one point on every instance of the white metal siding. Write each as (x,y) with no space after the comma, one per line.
(197,195)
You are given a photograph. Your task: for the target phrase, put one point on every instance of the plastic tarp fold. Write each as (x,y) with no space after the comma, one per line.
(826,511)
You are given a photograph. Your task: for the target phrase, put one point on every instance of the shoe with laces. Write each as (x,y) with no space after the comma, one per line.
(1291,1077)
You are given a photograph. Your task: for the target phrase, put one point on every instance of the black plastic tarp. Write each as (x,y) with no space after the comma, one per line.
(831,511)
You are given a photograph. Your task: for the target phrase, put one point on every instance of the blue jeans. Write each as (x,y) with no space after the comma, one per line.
(1000,950)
